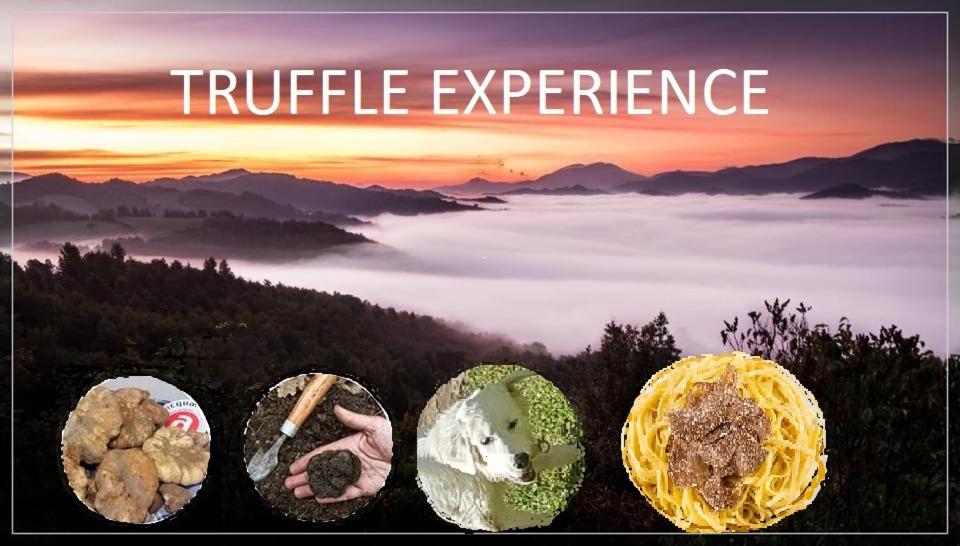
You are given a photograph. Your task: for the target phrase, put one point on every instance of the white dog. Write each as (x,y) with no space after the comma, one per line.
(475,449)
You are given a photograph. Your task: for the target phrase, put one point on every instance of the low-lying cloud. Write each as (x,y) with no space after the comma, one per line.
(556,269)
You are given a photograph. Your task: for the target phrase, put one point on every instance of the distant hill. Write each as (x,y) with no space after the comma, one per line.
(774,171)
(38,213)
(89,198)
(673,183)
(592,176)
(213,177)
(75,195)
(855,191)
(487,199)
(893,150)
(245,238)
(915,166)
(316,195)
(570,190)
(7,176)
(478,186)
(408,192)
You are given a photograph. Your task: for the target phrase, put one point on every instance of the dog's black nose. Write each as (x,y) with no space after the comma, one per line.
(521,460)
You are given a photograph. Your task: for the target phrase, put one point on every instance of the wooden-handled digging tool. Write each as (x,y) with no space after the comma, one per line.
(264,461)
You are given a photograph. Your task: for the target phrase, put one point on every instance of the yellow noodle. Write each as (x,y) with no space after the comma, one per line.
(788,479)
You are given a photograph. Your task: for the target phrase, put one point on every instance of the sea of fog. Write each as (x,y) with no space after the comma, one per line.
(556,269)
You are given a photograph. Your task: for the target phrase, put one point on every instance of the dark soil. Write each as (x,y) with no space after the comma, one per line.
(321,428)
(331,472)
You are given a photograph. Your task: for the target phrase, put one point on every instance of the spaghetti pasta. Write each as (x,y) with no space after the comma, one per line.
(787,480)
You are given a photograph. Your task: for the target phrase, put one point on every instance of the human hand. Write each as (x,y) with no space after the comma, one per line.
(372,444)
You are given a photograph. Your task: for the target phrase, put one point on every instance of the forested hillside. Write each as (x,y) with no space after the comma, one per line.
(225,339)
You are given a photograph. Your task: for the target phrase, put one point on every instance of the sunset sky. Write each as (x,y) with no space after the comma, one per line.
(94,98)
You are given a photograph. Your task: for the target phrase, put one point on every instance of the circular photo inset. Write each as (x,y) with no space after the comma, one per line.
(499,447)
(725,443)
(318,447)
(135,449)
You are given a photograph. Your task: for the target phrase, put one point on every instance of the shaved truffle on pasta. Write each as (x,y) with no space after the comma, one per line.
(778,466)
(715,440)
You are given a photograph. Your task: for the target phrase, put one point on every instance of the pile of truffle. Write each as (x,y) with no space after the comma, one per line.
(123,463)
(716,440)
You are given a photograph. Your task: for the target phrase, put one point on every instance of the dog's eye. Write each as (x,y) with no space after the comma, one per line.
(487,441)
(513,424)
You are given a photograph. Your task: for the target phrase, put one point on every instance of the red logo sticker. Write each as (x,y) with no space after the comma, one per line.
(183,419)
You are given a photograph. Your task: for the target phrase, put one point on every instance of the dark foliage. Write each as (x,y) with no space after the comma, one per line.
(884,399)
(124,211)
(603,385)
(260,239)
(174,213)
(36,213)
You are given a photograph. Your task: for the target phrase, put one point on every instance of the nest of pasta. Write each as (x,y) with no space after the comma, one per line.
(787,474)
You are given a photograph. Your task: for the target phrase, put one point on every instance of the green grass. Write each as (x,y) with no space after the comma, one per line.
(553,419)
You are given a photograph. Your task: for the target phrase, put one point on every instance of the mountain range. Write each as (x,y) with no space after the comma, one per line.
(260,195)
(914,166)
(315,195)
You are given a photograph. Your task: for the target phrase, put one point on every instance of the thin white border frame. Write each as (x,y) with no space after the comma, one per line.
(946,14)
